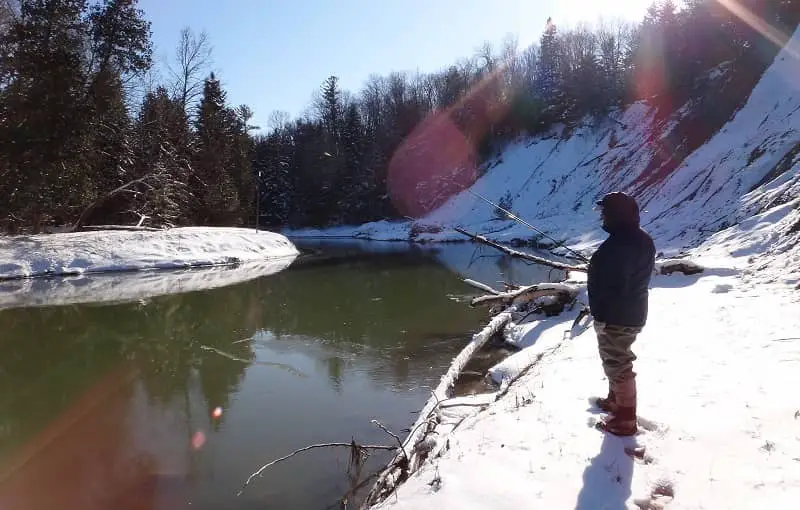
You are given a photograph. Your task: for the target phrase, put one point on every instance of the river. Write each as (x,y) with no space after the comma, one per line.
(171,401)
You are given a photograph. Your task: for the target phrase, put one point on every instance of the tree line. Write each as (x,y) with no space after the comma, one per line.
(79,145)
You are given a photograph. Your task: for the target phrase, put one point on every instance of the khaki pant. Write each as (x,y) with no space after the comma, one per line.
(614,344)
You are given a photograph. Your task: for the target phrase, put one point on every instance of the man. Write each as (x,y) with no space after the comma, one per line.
(618,279)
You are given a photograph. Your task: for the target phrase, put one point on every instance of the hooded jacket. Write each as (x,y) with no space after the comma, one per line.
(619,271)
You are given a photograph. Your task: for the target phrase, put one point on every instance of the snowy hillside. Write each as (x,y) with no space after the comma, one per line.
(749,166)
(717,421)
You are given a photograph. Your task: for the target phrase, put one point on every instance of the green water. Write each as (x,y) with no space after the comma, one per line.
(113,405)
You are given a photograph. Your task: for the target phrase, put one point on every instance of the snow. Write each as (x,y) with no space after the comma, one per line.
(717,362)
(100,252)
(715,379)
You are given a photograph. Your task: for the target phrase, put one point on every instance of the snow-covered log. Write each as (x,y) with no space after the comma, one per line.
(563,294)
(130,228)
(684,266)
(415,444)
(482,286)
(521,254)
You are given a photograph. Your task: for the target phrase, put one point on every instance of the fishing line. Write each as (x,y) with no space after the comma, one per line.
(520,220)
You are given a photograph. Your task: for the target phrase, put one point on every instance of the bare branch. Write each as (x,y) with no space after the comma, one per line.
(123,188)
(193,56)
(278,120)
(397,438)
(231,357)
(260,470)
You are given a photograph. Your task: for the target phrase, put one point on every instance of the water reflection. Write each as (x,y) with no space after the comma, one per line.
(128,286)
(114,406)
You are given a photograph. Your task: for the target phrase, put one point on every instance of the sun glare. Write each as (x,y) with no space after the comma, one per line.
(773,34)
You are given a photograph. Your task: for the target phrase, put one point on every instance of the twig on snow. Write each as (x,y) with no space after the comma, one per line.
(307,448)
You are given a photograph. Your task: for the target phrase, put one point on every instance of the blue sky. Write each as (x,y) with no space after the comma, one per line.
(273,54)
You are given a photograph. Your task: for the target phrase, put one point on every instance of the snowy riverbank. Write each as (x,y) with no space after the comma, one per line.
(114,251)
(120,266)
(718,361)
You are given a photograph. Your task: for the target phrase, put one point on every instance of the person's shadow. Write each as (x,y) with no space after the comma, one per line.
(607,479)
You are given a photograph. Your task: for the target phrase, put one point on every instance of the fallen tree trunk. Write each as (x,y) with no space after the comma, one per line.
(521,254)
(562,293)
(130,228)
(87,212)
(482,286)
(414,450)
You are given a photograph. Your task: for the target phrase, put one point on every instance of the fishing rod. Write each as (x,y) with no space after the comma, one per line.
(520,220)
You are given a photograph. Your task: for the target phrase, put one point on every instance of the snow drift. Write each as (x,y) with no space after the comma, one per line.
(99,252)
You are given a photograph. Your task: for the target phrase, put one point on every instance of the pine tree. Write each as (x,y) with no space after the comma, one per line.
(217,200)
(120,46)
(161,144)
(331,110)
(107,135)
(615,60)
(331,165)
(120,38)
(358,187)
(41,129)
(549,73)
(271,165)
(239,165)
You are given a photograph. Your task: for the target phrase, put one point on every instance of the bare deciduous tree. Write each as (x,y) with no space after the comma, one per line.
(193,57)
(278,120)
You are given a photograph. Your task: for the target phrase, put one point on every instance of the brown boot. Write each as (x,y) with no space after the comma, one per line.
(624,421)
(609,403)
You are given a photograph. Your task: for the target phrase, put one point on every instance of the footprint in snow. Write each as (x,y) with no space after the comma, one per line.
(662,493)
(722,288)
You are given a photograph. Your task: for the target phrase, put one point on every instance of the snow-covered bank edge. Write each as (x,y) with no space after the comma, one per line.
(124,287)
(117,251)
